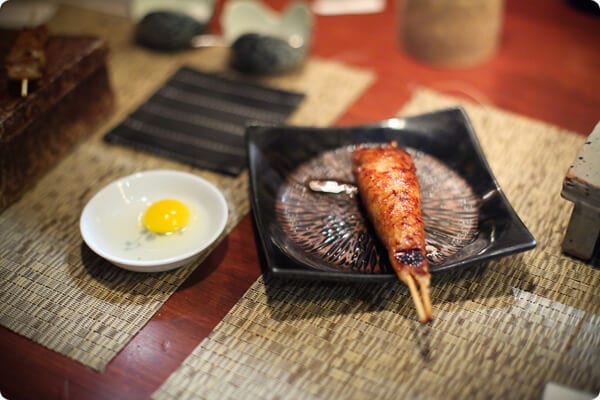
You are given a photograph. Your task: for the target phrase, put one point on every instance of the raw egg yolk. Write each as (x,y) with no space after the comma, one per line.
(166,216)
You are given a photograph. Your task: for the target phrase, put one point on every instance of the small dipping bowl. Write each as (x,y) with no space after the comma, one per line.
(200,10)
(111,222)
(264,41)
(169,25)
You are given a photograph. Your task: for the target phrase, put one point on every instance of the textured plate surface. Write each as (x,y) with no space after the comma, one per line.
(322,235)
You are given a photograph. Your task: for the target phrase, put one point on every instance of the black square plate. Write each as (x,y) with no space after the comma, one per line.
(308,234)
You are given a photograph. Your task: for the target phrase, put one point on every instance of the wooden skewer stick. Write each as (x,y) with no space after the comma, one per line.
(425,295)
(409,280)
(24,87)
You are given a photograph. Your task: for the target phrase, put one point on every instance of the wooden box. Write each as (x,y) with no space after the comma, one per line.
(65,105)
(582,187)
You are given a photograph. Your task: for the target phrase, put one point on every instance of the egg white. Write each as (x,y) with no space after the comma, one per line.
(125,236)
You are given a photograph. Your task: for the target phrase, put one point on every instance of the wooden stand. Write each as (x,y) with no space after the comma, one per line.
(66,104)
(582,187)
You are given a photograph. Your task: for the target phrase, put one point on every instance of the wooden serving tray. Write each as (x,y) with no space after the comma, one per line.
(72,97)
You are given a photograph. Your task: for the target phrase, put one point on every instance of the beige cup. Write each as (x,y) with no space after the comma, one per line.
(452,33)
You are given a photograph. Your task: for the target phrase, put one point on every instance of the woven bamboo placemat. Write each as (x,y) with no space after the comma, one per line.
(501,330)
(53,290)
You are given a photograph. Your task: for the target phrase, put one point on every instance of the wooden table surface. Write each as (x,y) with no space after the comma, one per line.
(547,68)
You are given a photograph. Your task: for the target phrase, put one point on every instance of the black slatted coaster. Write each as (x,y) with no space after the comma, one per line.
(199,119)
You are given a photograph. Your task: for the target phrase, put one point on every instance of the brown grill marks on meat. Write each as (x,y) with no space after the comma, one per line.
(388,186)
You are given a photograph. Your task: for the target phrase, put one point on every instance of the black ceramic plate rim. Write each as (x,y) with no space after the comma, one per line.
(524,241)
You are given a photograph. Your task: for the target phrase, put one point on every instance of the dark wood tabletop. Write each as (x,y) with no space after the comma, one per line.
(547,68)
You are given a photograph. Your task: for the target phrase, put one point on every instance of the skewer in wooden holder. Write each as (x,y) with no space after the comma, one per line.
(582,187)
(450,33)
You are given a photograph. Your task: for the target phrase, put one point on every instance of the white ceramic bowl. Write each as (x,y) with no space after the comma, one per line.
(294,23)
(25,14)
(111,225)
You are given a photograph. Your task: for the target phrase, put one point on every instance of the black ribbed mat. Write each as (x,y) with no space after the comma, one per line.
(200,118)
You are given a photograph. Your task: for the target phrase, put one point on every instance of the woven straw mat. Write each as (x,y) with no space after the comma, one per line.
(501,330)
(53,290)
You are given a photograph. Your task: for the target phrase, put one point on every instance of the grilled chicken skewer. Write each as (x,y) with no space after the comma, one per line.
(26,59)
(388,186)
